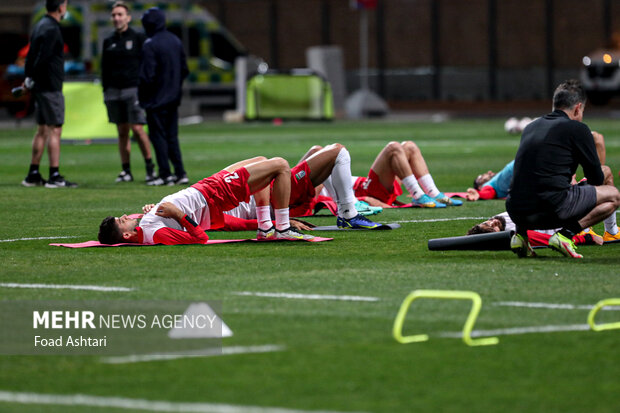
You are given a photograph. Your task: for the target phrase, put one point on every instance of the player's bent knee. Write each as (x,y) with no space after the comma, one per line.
(606,170)
(410,146)
(336,147)
(394,147)
(258,159)
(280,164)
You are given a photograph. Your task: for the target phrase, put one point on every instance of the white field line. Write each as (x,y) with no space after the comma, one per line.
(66,286)
(308,296)
(440,219)
(35,238)
(552,306)
(134,404)
(518,330)
(209,352)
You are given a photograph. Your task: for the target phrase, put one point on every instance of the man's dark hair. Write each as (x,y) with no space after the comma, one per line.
(480,229)
(109,233)
(568,94)
(120,4)
(476,184)
(53,5)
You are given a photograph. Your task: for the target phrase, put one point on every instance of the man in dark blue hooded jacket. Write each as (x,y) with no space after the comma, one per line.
(162,70)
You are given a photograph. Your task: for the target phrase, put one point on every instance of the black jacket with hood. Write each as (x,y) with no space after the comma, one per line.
(163,66)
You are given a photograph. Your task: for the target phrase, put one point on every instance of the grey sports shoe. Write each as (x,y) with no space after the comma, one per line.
(291,234)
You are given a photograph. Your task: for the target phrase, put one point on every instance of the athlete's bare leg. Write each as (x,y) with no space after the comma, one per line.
(143,140)
(415,159)
(38,143)
(599,142)
(124,144)
(314,149)
(53,145)
(276,170)
(607,202)
(322,162)
(391,161)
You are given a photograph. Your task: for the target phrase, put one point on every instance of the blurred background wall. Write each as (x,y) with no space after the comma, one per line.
(419,49)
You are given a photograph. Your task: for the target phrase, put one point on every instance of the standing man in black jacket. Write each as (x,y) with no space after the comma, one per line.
(162,71)
(44,76)
(120,65)
(541,195)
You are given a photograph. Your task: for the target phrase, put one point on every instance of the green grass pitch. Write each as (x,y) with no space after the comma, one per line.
(338,355)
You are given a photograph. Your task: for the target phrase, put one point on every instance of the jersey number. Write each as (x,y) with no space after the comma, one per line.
(230,177)
(366,184)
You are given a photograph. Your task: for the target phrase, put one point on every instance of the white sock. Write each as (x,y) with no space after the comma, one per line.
(413,187)
(340,185)
(610,224)
(282,219)
(263,216)
(427,183)
(324,190)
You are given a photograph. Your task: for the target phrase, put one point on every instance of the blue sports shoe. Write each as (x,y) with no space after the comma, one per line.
(364,209)
(447,200)
(426,201)
(357,222)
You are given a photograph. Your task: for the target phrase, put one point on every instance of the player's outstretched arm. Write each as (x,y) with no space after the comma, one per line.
(472,194)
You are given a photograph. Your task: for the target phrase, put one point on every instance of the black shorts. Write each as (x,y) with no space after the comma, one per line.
(579,201)
(123,106)
(49,108)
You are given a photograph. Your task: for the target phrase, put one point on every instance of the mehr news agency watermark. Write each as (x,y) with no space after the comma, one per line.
(84,320)
(109,327)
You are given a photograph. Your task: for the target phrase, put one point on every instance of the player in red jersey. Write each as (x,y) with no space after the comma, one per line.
(329,166)
(182,218)
(405,162)
(538,238)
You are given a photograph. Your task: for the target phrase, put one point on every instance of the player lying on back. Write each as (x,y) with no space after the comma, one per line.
(538,238)
(329,166)
(182,218)
(405,162)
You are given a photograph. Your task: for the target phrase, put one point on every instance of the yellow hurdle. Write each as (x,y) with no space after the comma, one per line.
(597,308)
(446,295)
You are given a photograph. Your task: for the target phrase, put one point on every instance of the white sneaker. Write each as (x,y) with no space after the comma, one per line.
(183,180)
(124,176)
(155,182)
(291,234)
